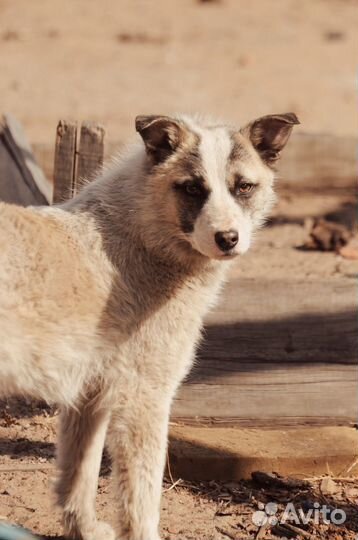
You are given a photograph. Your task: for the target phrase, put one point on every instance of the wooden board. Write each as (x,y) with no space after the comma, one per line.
(90,152)
(317,162)
(277,351)
(21,180)
(272,394)
(285,320)
(65,161)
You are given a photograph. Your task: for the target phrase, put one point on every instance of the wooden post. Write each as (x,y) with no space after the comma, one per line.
(90,154)
(65,161)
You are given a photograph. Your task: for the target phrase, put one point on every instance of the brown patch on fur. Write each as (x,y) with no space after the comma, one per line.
(240,152)
(190,206)
(186,165)
(161,135)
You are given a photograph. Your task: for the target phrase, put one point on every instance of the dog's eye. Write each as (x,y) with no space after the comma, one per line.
(244,188)
(192,188)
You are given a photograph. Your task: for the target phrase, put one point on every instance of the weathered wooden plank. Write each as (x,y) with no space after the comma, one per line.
(21,181)
(23,146)
(284,320)
(263,422)
(65,161)
(284,351)
(273,394)
(318,162)
(298,374)
(90,153)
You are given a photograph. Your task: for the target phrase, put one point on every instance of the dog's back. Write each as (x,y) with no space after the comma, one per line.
(49,303)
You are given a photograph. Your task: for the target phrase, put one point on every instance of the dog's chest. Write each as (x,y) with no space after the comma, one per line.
(162,339)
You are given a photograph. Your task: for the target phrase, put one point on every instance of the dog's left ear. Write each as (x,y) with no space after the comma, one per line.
(269,134)
(161,135)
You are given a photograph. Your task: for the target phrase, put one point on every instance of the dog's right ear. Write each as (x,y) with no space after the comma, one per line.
(161,135)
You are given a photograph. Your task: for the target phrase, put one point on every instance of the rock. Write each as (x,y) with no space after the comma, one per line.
(328,486)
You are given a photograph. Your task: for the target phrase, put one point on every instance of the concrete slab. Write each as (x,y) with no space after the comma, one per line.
(229,453)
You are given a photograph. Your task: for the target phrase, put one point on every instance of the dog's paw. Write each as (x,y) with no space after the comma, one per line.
(100,530)
(139,535)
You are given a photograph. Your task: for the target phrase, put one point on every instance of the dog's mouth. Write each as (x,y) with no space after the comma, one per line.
(230,254)
(221,255)
(227,255)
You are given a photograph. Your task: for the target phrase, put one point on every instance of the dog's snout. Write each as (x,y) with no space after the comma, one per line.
(227,240)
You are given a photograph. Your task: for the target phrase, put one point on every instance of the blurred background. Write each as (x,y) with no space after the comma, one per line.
(110,60)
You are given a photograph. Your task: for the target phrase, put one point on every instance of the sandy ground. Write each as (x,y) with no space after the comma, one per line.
(206,511)
(111,60)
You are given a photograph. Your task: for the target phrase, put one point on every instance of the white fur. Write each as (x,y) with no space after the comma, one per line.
(221,212)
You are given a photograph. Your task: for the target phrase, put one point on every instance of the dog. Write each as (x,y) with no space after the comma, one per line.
(103,299)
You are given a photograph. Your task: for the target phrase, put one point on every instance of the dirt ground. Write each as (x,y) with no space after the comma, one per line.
(111,60)
(204,511)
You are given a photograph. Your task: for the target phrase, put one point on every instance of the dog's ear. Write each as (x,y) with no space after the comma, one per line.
(161,135)
(269,134)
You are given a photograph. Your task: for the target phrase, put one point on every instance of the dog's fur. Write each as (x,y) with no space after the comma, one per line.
(103,297)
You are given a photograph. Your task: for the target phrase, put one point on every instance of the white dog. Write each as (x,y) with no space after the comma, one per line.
(103,298)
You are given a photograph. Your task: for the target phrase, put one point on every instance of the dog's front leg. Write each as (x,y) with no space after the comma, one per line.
(80,446)
(138,441)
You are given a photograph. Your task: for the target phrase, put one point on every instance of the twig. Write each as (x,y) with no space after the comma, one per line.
(349,479)
(277,481)
(192,487)
(297,530)
(352,465)
(173,486)
(329,472)
(262,530)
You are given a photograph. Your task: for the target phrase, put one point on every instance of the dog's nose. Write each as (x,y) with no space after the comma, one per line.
(226,240)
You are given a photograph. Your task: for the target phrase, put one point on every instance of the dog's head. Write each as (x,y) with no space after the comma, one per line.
(211,185)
